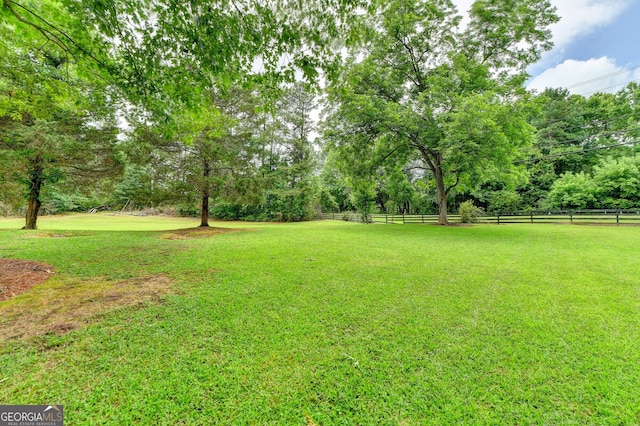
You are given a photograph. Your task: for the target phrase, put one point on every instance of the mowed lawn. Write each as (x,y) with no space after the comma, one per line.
(330,323)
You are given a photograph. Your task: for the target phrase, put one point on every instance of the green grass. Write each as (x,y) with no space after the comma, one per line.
(335,323)
(103,222)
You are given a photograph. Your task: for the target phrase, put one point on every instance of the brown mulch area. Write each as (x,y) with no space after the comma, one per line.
(200,232)
(66,304)
(18,276)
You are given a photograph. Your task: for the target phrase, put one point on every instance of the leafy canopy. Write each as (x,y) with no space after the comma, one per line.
(424,89)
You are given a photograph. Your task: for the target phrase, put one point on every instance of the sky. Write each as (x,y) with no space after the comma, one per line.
(596,46)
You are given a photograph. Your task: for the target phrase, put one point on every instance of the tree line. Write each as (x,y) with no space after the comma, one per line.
(207,108)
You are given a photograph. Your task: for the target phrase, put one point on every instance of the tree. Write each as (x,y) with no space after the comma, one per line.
(291,190)
(52,124)
(39,152)
(617,182)
(168,56)
(135,188)
(427,90)
(399,191)
(218,143)
(561,130)
(572,191)
(334,191)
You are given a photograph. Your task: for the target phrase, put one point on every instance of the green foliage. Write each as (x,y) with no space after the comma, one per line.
(541,176)
(430,91)
(60,202)
(576,134)
(417,91)
(55,123)
(614,184)
(617,183)
(505,201)
(573,191)
(332,182)
(399,190)
(235,152)
(363,197)
(290,192)
(134,188)
(226,211)
(174,64)
(327,201)
(188,210)
(469,212)
(289,206)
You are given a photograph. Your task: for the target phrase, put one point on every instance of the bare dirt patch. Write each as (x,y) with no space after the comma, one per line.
(200,232)
(18,276)
(63,304)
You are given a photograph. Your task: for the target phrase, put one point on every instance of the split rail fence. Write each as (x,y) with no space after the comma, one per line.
(613,217)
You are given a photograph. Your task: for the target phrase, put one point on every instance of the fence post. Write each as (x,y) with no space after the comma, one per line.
(531,213)
(498,218)
(403,218)
(571,216)
(617,218)
(422,218)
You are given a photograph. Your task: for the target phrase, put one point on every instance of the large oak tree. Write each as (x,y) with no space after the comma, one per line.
(427,88)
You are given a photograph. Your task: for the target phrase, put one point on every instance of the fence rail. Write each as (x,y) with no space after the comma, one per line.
(617,217)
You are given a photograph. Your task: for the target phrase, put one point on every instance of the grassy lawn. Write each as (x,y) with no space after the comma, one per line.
(325,323)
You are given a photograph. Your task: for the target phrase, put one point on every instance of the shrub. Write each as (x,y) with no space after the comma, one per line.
(60,202)
(573,191)
(226,211)
(469,213)
(188,210)
(5,209)
(617,183)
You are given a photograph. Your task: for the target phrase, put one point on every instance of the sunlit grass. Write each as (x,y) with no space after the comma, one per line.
(342,324)
(103,222)
(109,221)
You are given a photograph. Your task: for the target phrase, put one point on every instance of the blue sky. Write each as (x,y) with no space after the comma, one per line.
(595,40)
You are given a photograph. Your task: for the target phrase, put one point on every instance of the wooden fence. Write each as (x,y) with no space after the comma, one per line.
(614,217)
(388,218)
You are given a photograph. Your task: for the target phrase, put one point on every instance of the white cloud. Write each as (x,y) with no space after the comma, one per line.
(581,17)
(585,77)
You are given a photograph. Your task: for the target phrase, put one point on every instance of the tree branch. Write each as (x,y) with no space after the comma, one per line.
(426,156)
(47,33)
(414,62)
(450,187)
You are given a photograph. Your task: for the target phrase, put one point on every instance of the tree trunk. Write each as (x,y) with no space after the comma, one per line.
(443,194)
(32,212)
(204,214)
(434,161)
(442,208)
(35,180)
